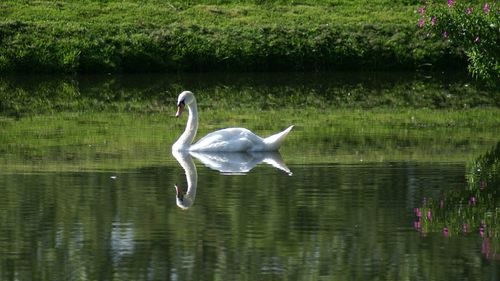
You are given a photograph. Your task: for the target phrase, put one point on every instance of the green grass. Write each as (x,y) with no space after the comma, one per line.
(128,36)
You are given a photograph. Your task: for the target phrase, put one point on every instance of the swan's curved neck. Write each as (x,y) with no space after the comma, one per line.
(186,139)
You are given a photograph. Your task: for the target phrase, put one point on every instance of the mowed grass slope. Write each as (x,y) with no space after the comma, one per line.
(145,36)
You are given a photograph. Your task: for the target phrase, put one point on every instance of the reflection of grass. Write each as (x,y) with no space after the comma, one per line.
(119,140)
(28,95)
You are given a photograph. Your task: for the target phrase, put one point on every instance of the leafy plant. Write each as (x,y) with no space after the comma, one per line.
(472,26)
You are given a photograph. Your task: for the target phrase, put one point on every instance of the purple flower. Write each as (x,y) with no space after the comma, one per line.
(445,34)
(416,225)
(429,217)
(418,213)
(450,3)
(472,200)
(486,8)
(445,232)
(421,10)
(468,10)
(421,23)
(465,228)
(433,20)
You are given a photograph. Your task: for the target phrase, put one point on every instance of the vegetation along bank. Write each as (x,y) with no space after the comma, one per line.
(209,35)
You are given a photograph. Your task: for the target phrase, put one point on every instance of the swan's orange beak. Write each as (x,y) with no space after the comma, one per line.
(180,108)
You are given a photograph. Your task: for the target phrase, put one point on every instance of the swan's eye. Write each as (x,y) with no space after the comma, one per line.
(181,103)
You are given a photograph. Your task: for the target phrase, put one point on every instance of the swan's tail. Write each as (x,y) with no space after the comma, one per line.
(274,142)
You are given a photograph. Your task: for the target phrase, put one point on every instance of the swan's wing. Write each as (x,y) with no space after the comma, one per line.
(231,139)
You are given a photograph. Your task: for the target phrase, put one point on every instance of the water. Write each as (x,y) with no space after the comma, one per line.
(90,206)
(324,222)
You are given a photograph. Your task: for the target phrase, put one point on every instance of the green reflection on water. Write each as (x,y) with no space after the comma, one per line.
(75,141)
(471,208)
(329,221)
(88,195)
(28,95)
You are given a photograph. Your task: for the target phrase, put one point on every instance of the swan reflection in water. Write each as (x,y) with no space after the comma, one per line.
(228,163)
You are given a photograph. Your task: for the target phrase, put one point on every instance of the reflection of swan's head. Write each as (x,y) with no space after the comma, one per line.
(185,98)
(184,201)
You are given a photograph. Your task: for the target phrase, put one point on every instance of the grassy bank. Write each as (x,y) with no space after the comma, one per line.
(130,36)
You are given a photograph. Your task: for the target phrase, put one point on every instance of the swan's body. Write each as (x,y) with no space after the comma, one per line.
(226,140)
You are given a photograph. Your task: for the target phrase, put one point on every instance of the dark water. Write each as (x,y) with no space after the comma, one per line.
(84,200)
(322,222)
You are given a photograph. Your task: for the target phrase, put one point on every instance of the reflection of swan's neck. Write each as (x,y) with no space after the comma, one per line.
(187,199)
(191,178)
(186,139)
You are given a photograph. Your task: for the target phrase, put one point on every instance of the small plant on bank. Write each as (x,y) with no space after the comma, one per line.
(471,25)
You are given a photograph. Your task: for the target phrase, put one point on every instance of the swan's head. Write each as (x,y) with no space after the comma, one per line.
(185,98)
(184,202)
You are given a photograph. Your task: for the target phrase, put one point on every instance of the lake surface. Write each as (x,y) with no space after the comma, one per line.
(346,205)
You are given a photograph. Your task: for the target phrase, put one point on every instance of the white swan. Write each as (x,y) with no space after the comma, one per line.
(227,140)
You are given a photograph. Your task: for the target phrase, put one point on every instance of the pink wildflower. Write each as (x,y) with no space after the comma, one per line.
(486,8)
(450,3)
(481,230)
(445,232)
(416,225)
(433,20)
(429,217)
(472,200)
(418,213)
(421,23)
(468,10)
(421,10)
(445,34)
